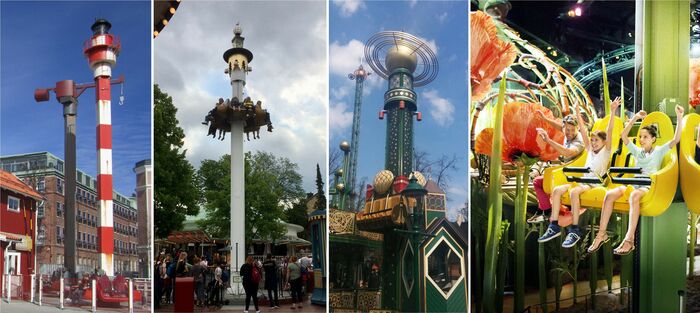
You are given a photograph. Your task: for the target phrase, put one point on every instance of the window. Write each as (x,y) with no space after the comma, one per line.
(59,166)
(41,185)
(12,204)
(40,209)
(444,267)
(59,185)
(59,235)
(59,209)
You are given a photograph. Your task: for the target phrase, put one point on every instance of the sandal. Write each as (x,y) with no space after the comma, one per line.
(619,250)
(598,242)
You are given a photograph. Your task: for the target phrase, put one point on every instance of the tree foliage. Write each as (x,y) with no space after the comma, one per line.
(271,184)
(175,192)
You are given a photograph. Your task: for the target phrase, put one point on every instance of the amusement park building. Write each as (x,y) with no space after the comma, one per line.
(45,173)
(18,204)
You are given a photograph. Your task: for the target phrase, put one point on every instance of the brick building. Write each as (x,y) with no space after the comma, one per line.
(45,172)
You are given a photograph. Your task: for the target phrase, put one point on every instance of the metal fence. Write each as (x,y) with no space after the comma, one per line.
(59,292)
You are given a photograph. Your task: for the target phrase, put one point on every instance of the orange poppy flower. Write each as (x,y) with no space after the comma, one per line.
(694,97)
(489,54)
(520,123)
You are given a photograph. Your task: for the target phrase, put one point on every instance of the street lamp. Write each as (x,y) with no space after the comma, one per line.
(413,200)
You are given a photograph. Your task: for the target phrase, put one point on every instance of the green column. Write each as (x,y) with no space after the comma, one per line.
(665,76)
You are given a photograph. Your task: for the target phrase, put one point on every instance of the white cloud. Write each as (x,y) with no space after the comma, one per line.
(340,117)
(441,17)
(349,7)
(412,3)
(431,44)
(440,108)
(340,92)
(346,58)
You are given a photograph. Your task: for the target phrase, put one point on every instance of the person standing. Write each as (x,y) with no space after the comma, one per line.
(251,278)
(270,267)
(198,274)
(294,280)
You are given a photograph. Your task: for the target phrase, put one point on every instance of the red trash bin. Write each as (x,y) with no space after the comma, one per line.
(184,294)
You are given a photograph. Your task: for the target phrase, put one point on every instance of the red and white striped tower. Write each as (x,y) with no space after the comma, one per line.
(101,51)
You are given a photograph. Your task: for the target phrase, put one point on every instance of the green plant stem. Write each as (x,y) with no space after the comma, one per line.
(520,221)
(593,264)
(495,204)
(542,271)
(691,245)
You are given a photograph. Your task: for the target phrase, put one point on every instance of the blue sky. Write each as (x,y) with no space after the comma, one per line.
(40,44)
(443,102)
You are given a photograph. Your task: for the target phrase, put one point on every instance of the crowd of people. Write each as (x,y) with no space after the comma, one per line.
(212,276)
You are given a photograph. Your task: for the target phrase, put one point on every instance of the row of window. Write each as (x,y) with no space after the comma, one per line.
(124,212)
(89,241)
(124,229)
(40,164)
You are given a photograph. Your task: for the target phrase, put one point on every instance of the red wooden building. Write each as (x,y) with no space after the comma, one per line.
(18,204)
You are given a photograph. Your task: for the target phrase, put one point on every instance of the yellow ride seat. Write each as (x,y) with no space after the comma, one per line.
(663,183)
(555,176)
(690,170)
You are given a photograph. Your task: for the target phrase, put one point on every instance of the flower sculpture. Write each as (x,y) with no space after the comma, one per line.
(694,97)
(520,134)
(489,54)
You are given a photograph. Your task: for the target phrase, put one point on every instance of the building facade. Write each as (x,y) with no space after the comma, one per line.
(45,172)
(144,201)
(18,205)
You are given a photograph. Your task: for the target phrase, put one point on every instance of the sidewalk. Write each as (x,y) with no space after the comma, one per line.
(286,308)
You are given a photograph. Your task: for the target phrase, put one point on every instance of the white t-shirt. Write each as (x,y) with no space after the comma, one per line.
(597,162)
(649,162)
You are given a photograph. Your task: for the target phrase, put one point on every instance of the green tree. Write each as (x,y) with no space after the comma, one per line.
(271,184)
(176,193)
(320,193)
(298,214)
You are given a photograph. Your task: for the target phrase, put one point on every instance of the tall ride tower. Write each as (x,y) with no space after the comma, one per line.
(393,206)
(237,115)
(401,53)
(101,51)
(238,60)
(351,171)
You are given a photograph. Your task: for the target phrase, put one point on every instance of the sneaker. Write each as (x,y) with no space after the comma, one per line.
(276,307)
(571,239)
(553,231)
(537,218)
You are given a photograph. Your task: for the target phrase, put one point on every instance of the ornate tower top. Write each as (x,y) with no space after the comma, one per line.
(237,40)
(238,50)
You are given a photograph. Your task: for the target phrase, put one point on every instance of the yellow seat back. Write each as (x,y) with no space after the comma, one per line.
(689,169)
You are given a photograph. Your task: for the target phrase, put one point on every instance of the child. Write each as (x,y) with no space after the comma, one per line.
(649,158)
(599,147)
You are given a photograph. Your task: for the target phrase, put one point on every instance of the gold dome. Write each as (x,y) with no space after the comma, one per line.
(345,146)
(420,178)
(382,181)
(401,57)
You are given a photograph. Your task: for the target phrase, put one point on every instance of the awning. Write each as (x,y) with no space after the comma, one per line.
(5,236)
(191,236)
